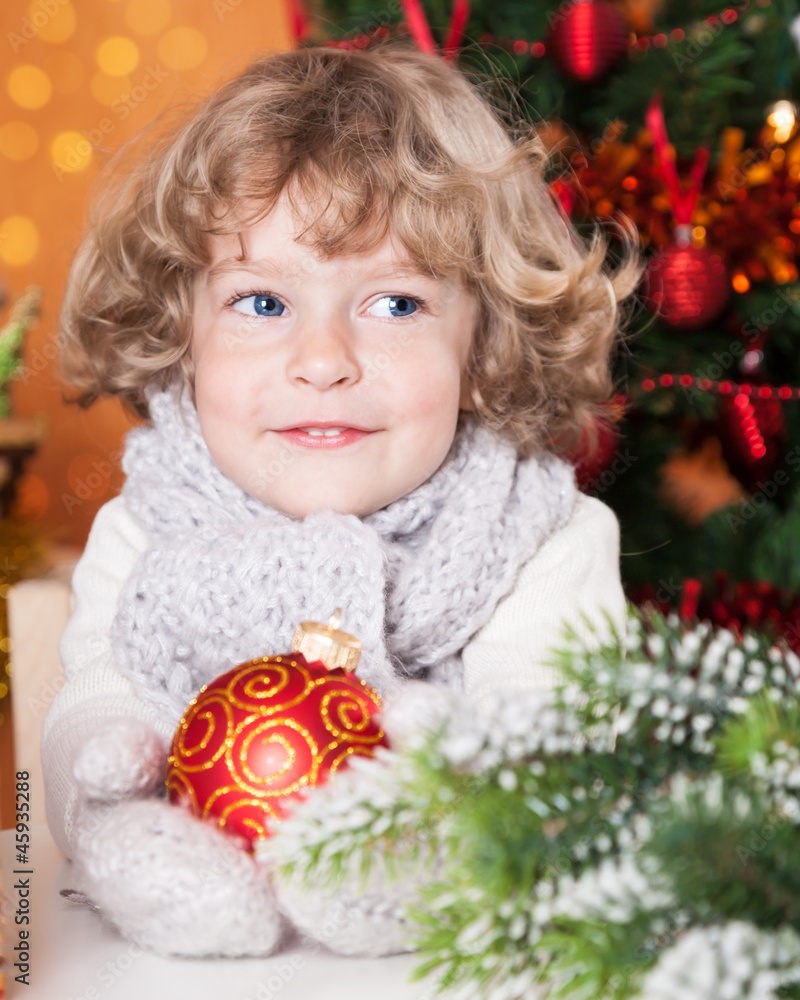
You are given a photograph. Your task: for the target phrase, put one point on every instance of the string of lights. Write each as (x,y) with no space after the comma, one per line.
(744,409)
(639,43)
(723,387)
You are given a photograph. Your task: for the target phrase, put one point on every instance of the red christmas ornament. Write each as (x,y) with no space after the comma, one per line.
(592,460)
(686,286)
(587,39)
(256,738)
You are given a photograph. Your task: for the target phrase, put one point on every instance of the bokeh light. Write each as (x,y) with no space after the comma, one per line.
(117,55)
(71,151)
(53,28)
(182,48)
(18,140)
(19,240)
(29,87)
(65,70)
(147,17)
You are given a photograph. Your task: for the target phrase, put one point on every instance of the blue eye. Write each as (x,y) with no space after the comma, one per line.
(398,306)
(260,305)
(402,306)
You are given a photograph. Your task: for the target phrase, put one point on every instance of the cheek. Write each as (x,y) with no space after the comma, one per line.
(221,387)
(426,385)
(217,396)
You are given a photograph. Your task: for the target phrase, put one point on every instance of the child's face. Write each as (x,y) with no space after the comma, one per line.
(284,339)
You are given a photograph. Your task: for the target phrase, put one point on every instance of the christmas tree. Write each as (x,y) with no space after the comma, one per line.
(679,118)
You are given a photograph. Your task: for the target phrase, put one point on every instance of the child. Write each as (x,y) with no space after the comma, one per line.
(356,324)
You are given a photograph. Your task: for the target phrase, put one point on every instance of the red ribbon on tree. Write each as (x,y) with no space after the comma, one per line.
(298,21)
(420,28)
(415,16)
(683,203)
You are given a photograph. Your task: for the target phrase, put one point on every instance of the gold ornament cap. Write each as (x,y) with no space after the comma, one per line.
(327,643)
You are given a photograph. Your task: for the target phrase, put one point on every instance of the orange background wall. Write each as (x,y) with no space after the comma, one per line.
(76,81)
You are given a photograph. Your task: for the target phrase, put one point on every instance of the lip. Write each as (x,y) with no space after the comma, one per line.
(323,425)
(350,436)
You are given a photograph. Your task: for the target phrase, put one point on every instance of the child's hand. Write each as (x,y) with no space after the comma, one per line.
(352,920)
(172,883)
(179,886)
(124,759)
(418,707)
(370,921)
(168,881)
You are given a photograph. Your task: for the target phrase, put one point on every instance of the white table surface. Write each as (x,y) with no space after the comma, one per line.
(75,956)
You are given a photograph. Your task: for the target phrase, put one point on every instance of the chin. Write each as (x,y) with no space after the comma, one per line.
(301,511)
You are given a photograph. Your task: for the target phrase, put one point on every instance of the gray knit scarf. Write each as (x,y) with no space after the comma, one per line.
(226,578)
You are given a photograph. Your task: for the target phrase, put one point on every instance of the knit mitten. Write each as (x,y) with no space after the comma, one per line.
(124,759)
(414,709)
(168,881)
(370,921)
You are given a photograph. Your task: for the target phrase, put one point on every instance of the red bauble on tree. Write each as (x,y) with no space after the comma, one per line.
(686,286)
(591,457)
(256,738)
(587,39)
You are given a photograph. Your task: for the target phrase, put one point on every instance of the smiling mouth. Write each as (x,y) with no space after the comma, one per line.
(324,437)
(322,431)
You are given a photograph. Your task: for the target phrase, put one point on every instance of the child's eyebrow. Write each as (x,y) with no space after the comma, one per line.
(231,265)
(263,267)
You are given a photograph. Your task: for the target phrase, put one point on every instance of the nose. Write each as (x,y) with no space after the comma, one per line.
(323,354)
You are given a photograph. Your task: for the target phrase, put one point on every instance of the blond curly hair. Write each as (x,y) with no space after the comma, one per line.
(392,140)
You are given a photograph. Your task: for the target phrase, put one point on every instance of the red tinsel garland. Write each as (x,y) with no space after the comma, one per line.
(753,604)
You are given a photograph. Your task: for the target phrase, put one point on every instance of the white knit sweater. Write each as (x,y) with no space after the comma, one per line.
(575,573)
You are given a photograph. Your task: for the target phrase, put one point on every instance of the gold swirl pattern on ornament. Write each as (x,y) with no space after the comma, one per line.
(266,678)
(247,779)
(237,803)
(205,711)
(280,739)
(343,726)
(355,750)
(339,673)
(248,821)
(258,829)
(179,788)
(342,757)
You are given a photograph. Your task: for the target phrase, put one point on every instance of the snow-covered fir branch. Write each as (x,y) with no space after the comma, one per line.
(779,775)
(729,961)
(604,775)
(675,683)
